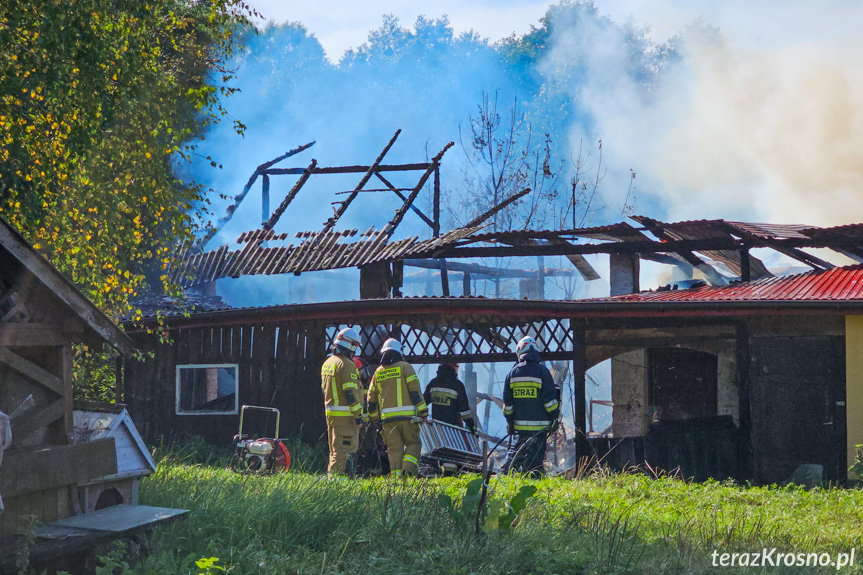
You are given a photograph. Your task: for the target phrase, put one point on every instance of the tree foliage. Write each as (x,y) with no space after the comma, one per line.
(98,102)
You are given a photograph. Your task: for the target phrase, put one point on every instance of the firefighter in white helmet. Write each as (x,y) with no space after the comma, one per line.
(342,405)
(395,400)
(531,408)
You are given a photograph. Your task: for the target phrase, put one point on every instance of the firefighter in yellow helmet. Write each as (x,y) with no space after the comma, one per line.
(396,401)
(344,410)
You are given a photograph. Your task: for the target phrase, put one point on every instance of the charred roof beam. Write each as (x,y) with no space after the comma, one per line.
(397,192)
(792,252)
(238,199)
(328,225)
(709,271)
(268,225)
(400,213)
(350,169)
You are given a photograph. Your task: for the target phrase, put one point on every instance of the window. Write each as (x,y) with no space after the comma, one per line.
(207,389)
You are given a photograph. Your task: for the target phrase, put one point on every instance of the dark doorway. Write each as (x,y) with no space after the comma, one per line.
(682,383)
(109,498)
(798,406)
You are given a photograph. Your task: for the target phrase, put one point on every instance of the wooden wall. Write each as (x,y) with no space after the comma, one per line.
(279,366)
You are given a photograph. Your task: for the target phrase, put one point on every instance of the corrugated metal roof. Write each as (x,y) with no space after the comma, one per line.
(774,231)
(837,284)
(703,230)
(321,251)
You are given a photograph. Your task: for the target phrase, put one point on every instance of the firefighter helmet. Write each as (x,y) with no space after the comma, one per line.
(348,339)
(525,344)
(392,345)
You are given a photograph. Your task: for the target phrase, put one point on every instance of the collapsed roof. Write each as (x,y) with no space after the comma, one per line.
(710,246)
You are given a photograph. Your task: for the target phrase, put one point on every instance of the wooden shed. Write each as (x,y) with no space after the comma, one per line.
(95,421)
(42,315)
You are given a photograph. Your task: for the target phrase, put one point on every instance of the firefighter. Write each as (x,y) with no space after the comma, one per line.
(396,402)
(344,411)
(448,399)
(531,408)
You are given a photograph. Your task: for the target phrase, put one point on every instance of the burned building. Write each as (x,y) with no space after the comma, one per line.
(744,374)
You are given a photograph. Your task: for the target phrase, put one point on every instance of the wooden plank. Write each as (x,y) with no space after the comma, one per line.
(57,540)
(122,518)
(66,359)
(28,471)
(31,335)
(64,289)
(34,419)
(31,371)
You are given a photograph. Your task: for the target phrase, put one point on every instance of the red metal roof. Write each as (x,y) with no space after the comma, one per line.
(837,284)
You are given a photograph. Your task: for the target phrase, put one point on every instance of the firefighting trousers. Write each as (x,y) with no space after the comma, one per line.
(343,440)
(528,454)
(403,446)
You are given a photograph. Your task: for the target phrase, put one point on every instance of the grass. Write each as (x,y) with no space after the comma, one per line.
(300,522)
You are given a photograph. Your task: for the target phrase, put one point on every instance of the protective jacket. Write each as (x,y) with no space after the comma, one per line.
(339,382)
(529,395)
(394,393)
(448,399)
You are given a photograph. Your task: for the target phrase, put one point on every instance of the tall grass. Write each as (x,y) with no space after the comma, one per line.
(301,522)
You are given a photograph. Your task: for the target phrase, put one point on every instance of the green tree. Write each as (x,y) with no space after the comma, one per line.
(98,102)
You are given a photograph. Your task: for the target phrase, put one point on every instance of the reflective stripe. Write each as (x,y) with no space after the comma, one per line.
(422,406)
(529,427)
(525,382)
(525,423)
(357,407)
(507,409)
(466,413)
(551,405)
(339,410)
(413,378)
(349,385)
(399,390)
(410,459)
(398,412)
(397,472)
(401,408)
(444,391)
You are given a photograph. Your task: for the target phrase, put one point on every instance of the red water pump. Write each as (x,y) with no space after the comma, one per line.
(259,455)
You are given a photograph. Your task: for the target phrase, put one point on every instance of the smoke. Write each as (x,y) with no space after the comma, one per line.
(745,114)
(758,119)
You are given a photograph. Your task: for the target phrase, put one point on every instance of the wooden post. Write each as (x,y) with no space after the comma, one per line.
(745,265)
(436,200)
(374,281)
(465,284)
(66,355)
(746,469)
(579,367)
(118,379)
(398,275)
(265,199)
(444,276)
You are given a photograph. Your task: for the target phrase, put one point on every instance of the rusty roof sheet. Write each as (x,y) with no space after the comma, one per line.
(837,284)
(619,232)
(703,230)
(321,251)
(774,231)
